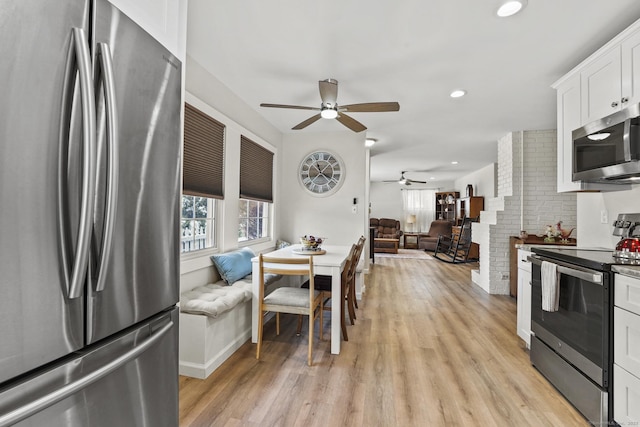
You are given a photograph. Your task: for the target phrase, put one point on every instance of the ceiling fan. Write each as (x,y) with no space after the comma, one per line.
(406,181)
(329,108)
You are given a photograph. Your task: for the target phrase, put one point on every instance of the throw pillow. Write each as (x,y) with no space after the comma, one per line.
(282,244)
(233,266)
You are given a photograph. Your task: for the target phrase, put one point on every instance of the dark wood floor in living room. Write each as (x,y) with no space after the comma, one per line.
(429,348)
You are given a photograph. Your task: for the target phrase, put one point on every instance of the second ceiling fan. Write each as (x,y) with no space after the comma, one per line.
(406,181)
(329,108)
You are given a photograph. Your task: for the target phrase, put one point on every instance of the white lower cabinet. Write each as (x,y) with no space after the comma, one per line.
(626,347)
(524,296)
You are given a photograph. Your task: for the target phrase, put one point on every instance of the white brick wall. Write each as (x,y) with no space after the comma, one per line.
(531,174)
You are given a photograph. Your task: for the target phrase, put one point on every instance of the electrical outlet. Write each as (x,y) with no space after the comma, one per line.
(505,276)
(604,217)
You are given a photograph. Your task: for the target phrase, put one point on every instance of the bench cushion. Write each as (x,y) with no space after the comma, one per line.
(216,298)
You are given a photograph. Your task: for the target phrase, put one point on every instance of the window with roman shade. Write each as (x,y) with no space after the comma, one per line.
(203,158)
(256,171)
(203,167)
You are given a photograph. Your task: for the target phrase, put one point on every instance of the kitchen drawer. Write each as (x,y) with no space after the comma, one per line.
(626,395)
(626,340)
(627,293)
(523,263)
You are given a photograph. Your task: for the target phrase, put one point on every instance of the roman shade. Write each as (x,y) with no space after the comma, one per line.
(203,158)
(256,171)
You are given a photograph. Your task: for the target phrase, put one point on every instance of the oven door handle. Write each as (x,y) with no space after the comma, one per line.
(582,274)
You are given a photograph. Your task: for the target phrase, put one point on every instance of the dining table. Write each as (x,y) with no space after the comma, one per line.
(330,261)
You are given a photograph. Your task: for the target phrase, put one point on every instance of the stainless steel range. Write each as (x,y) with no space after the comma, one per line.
(572,345)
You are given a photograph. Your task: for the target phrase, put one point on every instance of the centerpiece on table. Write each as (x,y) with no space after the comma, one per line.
(311,243)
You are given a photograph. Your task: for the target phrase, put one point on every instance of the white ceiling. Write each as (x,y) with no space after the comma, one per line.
(411,51)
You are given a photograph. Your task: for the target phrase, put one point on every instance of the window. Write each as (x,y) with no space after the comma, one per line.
(256,191)
(198,223)
(255,221)
(203,167)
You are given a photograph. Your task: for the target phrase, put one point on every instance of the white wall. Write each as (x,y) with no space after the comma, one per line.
(594,233)
(301,212)
(483,182)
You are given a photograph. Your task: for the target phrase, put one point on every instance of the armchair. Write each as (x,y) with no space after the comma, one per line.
(437,228)
(385,228)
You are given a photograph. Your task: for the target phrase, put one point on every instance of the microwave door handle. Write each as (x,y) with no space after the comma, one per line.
(626,140)
(108,83)
(589,276)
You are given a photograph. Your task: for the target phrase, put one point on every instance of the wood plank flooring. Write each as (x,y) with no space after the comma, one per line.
(429,348)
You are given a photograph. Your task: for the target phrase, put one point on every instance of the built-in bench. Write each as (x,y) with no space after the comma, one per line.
(215,319)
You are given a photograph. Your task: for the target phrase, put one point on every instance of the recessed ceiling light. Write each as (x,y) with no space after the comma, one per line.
(458,93)
(454,163)
(433,177)
(510,7)
(369,142)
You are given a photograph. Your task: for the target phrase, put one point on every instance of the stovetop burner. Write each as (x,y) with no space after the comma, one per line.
(596,259)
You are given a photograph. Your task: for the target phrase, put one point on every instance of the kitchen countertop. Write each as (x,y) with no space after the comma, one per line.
(627,270)
(533,241)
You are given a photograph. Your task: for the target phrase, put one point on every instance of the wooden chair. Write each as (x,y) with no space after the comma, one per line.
(352,293)
(307,302)
(323,284)
(455,249)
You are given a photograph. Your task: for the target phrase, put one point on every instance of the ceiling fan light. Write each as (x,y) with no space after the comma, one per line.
(510,7)
(403,181)
(369,142)
(329,113)
(458,93)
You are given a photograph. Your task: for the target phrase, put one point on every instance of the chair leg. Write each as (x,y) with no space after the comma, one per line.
(259,347)
(299,329)
(277,323)
(321,331)
(343,324)
(310,352)
(352,311)
(352,290)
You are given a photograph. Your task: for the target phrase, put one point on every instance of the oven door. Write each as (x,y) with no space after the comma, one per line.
(579,330)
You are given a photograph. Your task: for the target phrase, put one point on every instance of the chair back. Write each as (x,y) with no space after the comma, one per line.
(287,267)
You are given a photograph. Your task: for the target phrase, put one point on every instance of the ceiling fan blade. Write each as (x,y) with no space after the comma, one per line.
(295,107)
(328,92)
(351,123)
(417,182)
(307,122)
(370,107)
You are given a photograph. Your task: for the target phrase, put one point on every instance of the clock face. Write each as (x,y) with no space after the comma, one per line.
(321,173)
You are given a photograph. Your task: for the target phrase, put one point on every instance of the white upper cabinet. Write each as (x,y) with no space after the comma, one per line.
(604,83)
(165,20)
(568,120)
(630,51)
(601,87)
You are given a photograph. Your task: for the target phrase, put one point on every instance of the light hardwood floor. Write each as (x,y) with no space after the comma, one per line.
(429,348)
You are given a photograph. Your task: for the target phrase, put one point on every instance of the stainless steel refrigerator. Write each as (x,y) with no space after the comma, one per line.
(89,215)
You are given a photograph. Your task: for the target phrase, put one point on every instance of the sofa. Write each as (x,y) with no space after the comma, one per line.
(385,228)
(429,240)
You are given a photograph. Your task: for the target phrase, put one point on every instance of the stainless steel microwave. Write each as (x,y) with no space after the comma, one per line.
(608,150)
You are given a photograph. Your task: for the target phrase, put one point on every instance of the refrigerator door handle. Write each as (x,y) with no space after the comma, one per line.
(80,48)
(44,402)
(105,61)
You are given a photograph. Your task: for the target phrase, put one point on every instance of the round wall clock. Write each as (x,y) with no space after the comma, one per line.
(321,173)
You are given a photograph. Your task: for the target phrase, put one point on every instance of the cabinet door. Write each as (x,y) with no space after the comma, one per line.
(524,297)
(601,86)
(568,119)
(626,392)
(631,70)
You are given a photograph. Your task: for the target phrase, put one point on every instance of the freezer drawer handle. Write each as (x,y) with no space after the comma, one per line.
(44,402)
(106,65)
